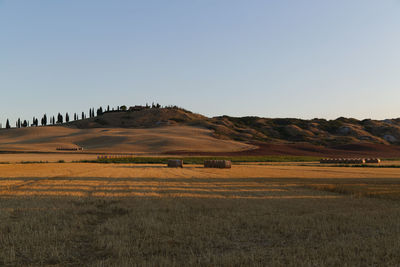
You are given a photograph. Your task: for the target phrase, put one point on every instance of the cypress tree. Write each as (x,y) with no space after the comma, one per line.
(66,117)
(60,118)
(99,111)
(8,124)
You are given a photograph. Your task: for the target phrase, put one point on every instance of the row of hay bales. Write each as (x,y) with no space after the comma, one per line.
(178,163)
(70,148)
(350,160)
(114,156)
(219,164)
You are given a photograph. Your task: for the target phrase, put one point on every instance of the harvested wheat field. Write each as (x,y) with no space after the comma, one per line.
(116,140)
(85,214)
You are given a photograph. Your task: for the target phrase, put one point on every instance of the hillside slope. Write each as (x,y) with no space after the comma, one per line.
(116,140)
(341,131)
(323,132)
(175,130)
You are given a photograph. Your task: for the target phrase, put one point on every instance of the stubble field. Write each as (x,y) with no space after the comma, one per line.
(87,214)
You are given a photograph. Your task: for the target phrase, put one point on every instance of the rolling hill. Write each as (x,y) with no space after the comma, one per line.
(341,131)
(175,130)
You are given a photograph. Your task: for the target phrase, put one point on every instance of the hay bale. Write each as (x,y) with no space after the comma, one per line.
(354,161)
(373,160)
(175,163)
(220,164)
(348,160)
(323,161)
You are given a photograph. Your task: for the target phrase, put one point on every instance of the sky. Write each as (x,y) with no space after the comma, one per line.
(288,58)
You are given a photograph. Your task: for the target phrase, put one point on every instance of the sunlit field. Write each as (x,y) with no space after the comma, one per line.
(282,214)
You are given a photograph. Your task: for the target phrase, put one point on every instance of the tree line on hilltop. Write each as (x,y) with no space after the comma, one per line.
(60,118)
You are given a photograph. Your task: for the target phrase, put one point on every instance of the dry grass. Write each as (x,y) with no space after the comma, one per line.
(127,215)
(54,170)
(117,140)
(375,188)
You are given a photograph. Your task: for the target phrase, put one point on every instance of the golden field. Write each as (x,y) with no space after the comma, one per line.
(47,139)
(287,214)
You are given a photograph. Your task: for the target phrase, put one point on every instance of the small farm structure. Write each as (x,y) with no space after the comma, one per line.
(175,163)
(221,164)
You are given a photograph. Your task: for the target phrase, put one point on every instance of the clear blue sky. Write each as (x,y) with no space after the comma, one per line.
(270,58)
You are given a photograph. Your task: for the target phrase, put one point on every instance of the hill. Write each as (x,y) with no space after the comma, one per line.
(116,140)
(342,131)
(175,130)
